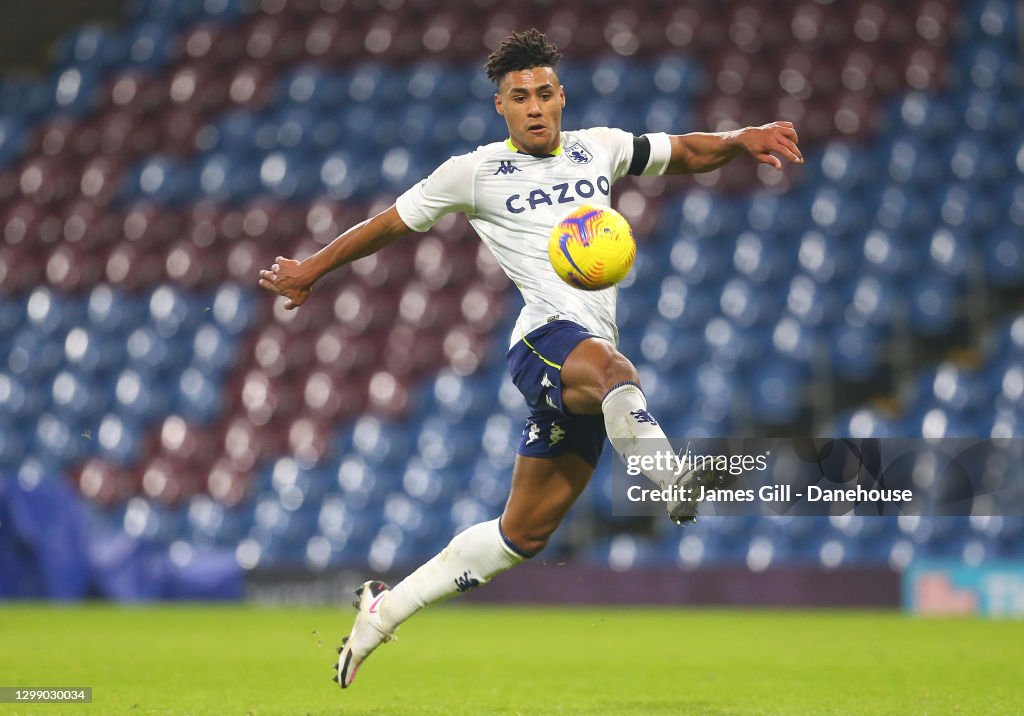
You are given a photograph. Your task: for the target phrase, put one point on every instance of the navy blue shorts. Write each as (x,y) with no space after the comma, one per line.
(535,364)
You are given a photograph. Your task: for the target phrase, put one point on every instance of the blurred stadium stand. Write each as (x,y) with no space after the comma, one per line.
(163,160)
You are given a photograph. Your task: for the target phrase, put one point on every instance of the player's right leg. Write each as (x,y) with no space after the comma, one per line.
(597,379)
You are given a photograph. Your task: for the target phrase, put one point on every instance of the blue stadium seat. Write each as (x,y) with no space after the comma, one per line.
(987,112)
(776,390)
(51,313)
(118,441)
(363,485)
(933,302)
(233,309)
(228,178)
(150,45)
(697,261)
(813,304)
(489,484)
(905,210)
(467,511)
(781,215)
(973,158)
(211,524)
(748,304)
(14,440)
(139,400)
(34,357)
(447,446)
(197,398)
(794,340)
(1003,257)
(144,519)
(855,351)
(94,46)
(846,167)
(911,161)
(873,300)
(160,179)
(13,136)
(289,175)
(78,399)
(213,350)
(92,352)
(865,423)
(762,259)
(883,253)
(926,115)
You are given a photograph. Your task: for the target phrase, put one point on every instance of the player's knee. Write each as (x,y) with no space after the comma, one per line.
(617,370)
(529,539)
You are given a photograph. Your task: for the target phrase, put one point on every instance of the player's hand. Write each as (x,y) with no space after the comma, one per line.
(769,140)
(285,279)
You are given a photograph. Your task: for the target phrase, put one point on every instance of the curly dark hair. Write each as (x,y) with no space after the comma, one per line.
(521,51)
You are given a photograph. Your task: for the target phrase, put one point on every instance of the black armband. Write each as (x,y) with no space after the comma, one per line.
(641,155)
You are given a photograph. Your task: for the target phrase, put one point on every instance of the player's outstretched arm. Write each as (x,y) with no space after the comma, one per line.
(294,279)
(703,151)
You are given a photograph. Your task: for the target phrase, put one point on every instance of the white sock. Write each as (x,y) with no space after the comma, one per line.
(634,431)
(472,558)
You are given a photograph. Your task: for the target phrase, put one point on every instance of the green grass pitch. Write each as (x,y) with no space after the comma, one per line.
(465,660)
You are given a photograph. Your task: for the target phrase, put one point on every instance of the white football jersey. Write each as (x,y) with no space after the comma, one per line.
(513,200)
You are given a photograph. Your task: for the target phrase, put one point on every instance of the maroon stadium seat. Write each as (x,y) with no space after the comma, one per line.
(464,350)
(413,352)
(226,483)
(103,484)
(55,135)
(132,266)
(20,268)
(152,225)
(48,180)
(71,267)
(309,438)
(251,86)
(193,266)
(388,395)
(198,86)
(213,44)
(167,480)
(101,177)
(137,91)
(21,221)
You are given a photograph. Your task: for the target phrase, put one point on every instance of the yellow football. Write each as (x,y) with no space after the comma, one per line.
(592,248)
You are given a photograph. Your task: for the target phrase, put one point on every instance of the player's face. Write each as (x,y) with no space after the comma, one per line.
(531,102)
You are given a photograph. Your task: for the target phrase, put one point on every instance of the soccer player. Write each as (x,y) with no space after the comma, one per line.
(579,388)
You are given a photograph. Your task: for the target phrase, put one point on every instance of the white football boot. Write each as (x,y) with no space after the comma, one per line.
(366,635)
(682,511)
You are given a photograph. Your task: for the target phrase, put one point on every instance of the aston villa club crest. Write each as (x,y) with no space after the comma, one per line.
(578,154)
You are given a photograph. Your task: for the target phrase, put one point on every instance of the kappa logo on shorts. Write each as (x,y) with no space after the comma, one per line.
(545,382)
(642,416)
(548,399)
(533,434)
(556,435)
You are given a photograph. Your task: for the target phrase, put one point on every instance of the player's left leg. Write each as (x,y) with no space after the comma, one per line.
(543,490)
